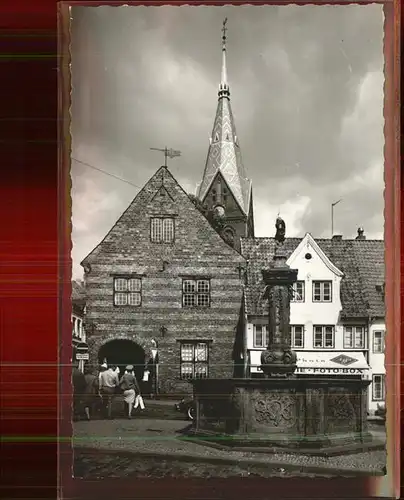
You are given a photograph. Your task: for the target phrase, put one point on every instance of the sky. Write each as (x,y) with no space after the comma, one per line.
(306,87)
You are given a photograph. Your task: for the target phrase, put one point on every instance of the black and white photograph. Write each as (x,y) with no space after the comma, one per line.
(228,269)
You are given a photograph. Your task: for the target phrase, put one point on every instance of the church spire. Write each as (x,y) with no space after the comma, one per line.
(224,163)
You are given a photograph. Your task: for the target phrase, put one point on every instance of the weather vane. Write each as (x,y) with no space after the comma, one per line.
(168,153)
(224,29)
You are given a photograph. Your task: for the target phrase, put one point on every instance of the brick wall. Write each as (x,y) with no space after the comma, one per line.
(197,251)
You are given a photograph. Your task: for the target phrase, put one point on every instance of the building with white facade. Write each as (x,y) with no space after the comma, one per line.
(337,311)
(77,318)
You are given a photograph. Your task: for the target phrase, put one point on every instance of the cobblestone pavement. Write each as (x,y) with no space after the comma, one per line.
(91,465)
(161,437)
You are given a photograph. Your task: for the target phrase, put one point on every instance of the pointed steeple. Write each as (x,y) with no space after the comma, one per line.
(224,87)
(224,154)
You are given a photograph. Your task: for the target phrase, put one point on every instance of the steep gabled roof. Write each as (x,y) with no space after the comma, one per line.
(361,261)
(224,153)
(147,199)
(308,239)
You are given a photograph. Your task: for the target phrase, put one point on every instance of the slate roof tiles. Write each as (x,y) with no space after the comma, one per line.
(361,261)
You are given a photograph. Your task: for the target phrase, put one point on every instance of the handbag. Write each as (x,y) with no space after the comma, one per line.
(139,402)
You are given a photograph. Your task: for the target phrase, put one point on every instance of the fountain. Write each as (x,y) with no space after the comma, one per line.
(317,415)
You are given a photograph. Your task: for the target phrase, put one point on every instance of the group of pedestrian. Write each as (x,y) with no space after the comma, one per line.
(92,391)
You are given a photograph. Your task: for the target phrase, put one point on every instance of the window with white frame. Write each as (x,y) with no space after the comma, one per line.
(378,387)
(378,341)
(74,325)
(162,229)
(195,293)
(194,360)
(298,291)
(354,337)
(297,335)
(323,337)
(261,337)
(127,291)
(322,291)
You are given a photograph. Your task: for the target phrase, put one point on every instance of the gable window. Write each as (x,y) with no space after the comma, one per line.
(261,337)
(378,341)
(194,360)
(196,293)
(162,229)
(378,388)
(322,291)
(297,335)
(127,291)
(354,337)
(324,337)
(298,291)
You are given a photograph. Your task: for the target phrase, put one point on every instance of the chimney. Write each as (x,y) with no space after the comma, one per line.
(337,237)
(361,234)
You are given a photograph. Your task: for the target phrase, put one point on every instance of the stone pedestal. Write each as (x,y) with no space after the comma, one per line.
(305,415)
(278,360)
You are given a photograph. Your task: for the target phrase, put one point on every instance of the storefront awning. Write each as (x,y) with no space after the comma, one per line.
(321,363)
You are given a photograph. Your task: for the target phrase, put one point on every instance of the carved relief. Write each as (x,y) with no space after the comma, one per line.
(340,407)
(275,409)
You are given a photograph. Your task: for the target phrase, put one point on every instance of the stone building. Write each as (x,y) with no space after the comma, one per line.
(337,309)
(163,276)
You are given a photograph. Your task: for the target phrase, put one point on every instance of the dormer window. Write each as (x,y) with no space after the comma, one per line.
(322,291)
(162,230)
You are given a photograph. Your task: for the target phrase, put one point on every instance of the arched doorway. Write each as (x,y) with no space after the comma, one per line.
(122,352)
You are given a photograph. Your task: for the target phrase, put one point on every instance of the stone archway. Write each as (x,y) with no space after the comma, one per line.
(123,352)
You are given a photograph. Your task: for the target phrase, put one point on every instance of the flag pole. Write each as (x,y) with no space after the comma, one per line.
(332,216)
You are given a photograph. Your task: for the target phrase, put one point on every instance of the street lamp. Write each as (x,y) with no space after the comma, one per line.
(332,216)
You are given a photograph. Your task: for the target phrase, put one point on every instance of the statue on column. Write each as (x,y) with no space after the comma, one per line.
(279,359)
(280,231)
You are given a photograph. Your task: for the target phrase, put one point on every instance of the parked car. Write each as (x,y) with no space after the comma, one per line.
(187,406)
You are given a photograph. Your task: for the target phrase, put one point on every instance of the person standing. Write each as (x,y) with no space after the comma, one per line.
(109,382)
(91,390)
(79,387)
(130,388)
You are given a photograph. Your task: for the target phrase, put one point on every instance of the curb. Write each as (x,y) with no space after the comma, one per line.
(188,457)
(375,445)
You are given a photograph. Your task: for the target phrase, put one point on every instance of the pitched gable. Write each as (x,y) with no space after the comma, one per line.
(161,196)
(307,245)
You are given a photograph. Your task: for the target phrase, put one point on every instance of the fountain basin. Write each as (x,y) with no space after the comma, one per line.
(305,413)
